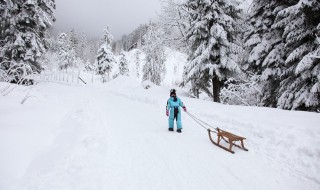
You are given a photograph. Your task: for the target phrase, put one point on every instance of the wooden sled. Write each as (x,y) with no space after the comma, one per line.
(228,138)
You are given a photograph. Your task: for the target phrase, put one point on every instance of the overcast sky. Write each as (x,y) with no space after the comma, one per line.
(92,16)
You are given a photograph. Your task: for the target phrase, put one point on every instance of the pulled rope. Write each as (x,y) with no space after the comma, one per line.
(202,123)
(199,121)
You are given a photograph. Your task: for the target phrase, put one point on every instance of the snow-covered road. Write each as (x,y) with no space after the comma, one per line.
(115,136)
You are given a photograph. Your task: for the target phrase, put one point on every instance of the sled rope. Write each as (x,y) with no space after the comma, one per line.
(202,123)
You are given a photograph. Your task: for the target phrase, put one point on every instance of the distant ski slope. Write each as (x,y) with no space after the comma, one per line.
(114,136)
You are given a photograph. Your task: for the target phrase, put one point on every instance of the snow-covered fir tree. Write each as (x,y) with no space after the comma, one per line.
(23,25)
(73,40)
(213,38)
(318,42)
(105,59)
(66,55)
(137,61)
(132,40)
(317,56)
(300,81)
(89,67)
(50,57)
(154,68)
(81,52)
(265,48)
(123,65)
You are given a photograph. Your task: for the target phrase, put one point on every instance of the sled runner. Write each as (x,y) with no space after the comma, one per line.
(228,138)
(224,135)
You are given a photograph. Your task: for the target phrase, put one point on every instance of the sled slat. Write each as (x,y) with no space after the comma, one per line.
(231,139)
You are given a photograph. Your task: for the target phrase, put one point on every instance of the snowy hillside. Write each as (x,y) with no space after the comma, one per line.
(114,136)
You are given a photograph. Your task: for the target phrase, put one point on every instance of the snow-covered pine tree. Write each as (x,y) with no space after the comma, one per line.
(23,25)
(49,59)
(213,36)
(317,56)
(265,48)
(137,60)
(91,50)
(73,40)
(66,56)
(154,68)
(82,47)
(123,65)
(105,59)
(88,66)
(300,84)
(318,42)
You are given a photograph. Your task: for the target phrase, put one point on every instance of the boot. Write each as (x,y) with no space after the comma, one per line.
(170,129)
(179,130)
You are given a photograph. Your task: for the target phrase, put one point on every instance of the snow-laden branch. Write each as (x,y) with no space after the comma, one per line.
(239,97)
(317,56)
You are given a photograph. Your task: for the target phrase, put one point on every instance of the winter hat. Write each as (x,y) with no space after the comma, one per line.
(172,91)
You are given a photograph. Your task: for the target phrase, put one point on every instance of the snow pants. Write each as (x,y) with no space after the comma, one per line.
(175,114)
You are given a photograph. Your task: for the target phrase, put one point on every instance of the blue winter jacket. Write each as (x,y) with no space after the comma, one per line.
(171,105)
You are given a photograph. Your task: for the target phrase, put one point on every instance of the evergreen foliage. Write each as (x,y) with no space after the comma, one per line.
(105,59)
(265,48)
(212,35)
(23,26)
(82,47)
(123,65)
(73,40)
(300,84)
(66,55)
(137,60)
(154,68)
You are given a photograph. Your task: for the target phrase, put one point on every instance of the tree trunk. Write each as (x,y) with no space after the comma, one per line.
(216,89)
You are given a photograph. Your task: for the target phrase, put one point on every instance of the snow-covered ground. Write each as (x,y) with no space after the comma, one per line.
(114,136)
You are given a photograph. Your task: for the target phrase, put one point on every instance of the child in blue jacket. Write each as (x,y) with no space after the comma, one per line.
(173,106)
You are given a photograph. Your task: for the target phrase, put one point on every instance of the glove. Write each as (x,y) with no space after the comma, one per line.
(184,108)
(167,112)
